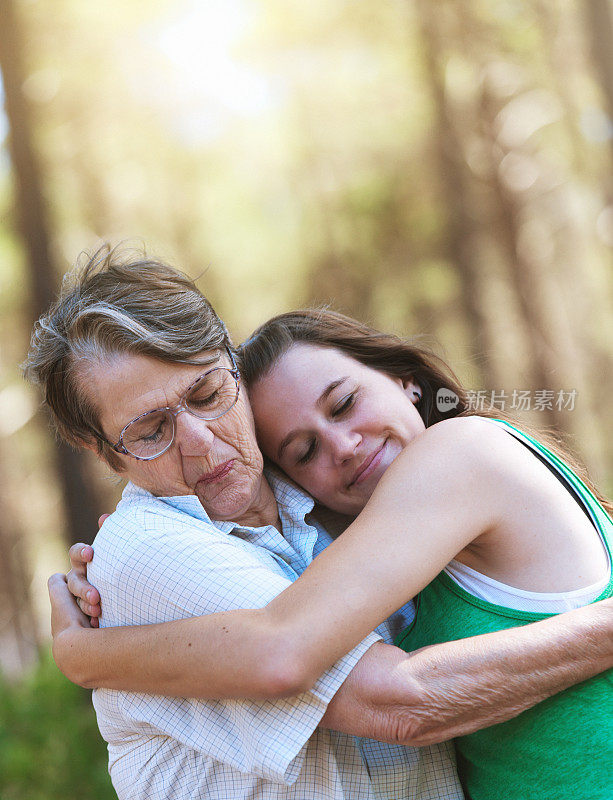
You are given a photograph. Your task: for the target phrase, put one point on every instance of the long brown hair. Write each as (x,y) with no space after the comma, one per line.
(387,353)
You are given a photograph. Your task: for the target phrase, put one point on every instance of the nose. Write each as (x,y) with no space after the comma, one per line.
(193,436)
(343,443)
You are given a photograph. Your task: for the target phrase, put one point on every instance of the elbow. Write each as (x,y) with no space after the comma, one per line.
(285,680)
(285,670)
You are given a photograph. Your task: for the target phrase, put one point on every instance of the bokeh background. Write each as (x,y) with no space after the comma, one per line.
(437,168)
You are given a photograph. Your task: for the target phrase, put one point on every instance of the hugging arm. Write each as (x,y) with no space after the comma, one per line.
(459,687)
(418,698)
(429,695)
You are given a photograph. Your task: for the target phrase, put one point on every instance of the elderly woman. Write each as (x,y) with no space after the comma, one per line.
(136,366)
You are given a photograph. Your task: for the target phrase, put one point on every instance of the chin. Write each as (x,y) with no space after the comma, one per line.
(351,507)
(228,504)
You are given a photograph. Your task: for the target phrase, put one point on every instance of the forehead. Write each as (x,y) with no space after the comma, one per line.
(124,385)
(286,395)
(316,364)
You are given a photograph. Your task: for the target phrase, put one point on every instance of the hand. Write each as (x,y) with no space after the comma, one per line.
(65,613)
(87,596)
(66,620)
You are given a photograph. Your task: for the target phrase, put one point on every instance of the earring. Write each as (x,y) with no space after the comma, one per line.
(416,396)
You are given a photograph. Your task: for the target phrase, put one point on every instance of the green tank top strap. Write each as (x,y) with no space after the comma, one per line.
(601,519)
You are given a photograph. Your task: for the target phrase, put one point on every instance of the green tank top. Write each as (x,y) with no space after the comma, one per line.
(561,748)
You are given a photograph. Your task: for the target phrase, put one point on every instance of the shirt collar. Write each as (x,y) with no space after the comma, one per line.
(290,497)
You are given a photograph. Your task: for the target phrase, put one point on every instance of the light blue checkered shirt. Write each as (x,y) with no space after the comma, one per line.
(159,559)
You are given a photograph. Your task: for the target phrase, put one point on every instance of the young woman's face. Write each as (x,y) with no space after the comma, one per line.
(333,424)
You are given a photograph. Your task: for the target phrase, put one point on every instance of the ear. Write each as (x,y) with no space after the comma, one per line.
(413,390)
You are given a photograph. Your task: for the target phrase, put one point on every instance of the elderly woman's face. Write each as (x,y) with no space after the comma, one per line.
(217,460)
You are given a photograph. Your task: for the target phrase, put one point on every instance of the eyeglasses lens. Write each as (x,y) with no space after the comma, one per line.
(210,397)
(149,435)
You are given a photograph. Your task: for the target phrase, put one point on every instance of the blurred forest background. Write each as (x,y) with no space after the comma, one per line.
(434,167)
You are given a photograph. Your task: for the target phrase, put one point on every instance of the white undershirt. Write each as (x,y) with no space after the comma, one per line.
(486,588)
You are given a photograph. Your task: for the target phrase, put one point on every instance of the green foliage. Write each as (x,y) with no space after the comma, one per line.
(50,746)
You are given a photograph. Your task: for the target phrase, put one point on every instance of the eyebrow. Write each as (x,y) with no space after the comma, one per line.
(320,401)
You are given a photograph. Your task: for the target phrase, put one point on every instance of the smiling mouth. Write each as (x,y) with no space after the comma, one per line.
(368,466)
(216,474)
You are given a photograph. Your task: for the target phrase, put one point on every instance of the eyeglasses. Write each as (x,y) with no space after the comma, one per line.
(209,397)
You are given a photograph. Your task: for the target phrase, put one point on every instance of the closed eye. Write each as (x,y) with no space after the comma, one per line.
(309,453)
(154,436)
(203,402)
(344,405)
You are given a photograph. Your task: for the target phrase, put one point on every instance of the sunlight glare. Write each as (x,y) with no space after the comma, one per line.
(214,85)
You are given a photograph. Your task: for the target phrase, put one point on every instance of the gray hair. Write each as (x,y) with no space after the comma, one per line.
(115,302)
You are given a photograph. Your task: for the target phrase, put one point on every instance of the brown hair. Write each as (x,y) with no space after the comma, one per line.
(384,352)
(116,302)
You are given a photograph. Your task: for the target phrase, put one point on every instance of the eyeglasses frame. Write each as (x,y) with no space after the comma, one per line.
(175,410)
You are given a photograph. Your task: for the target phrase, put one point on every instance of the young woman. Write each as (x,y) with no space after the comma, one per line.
(490,528)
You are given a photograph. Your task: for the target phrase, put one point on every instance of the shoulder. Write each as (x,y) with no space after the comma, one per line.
(466,431)
(142,518)
(469,440)
(484,443)
(462,459)
(153,562)
(144,533)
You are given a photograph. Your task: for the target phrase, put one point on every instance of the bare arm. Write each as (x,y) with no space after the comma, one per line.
(418,698)
(456,688)
(239,653)
(342,596)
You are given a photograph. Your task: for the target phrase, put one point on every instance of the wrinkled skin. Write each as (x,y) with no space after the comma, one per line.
(125,386)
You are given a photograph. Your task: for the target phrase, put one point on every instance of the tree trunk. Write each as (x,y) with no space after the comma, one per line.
(19,640)
(80,500)
(599,22)
(460,230)
(557,361)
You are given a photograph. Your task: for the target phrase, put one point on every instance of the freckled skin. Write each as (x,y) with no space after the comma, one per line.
(284,401)
(125,386)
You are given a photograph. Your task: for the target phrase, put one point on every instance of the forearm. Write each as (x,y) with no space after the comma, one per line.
(230,654)
(458,687)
